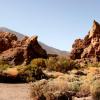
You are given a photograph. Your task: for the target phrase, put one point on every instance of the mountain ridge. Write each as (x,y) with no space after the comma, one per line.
(49,49)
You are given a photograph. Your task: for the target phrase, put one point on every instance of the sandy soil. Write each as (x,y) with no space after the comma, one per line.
(15,91)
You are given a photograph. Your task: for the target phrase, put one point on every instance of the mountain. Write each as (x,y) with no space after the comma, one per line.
(19,35)
(50,50)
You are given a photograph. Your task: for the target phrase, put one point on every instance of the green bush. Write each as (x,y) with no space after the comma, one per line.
(4,65)
(40,62)
(74,86)
(60,64)
(95,90)
(26,73)
(30,73)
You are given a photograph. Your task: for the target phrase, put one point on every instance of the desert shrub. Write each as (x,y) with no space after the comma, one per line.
(95,90)
(20,73)
(60,64)
(4,65)
(72,78)
(84,90)
(30,73)
(74,86)
(55,89)
(40,62)
(51,63)
(96,64)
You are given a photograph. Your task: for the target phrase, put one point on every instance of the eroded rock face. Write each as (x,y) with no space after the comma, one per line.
(6,39)
(78,48)
(89,47)
(19,52)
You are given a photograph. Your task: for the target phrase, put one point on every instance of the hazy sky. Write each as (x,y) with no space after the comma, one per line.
(57,22)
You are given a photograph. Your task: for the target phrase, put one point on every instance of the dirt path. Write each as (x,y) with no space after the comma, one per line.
(15,92)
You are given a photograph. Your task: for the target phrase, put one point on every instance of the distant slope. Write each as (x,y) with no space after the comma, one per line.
(50,50)
(19,35)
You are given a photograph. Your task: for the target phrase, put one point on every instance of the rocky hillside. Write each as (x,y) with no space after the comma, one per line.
(50,50)
(17,52)
(89,47)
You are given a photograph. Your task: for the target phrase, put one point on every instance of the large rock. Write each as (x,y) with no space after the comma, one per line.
(6,40)
(8,35)
(19,52)
(78,48)
(90,45)
(32,49)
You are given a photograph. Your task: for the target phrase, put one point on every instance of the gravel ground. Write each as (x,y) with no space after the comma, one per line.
(15,91)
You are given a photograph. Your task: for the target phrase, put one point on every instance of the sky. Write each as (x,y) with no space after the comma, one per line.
(57,23)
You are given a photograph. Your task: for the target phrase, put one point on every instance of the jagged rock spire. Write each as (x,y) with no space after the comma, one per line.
(95,30)
(90,47)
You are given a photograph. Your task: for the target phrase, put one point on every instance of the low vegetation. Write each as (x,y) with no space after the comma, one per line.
(95,90)
(79,83)
(20,73)
(40,62)
(61,64)
(73,80)
(96,64)
(4,65)
(30,73)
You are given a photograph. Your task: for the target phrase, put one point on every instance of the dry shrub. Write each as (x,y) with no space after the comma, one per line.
(74,86)
(84,90)
(95,64)
(40,62)
(61,64)
(30,73)
(4,65)
(51,89)
(95,90)
(20,73)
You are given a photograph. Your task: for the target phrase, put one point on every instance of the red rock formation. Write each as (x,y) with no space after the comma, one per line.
(90,45)
(19,52)
(78,47)
(6,40)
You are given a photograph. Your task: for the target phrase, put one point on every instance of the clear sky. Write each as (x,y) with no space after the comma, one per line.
(57,22)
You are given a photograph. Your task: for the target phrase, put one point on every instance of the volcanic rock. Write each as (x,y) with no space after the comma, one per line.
(6,40)
(17,52)
(89,47)
(78,48)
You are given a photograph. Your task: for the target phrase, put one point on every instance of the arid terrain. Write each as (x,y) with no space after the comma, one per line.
(15,91)
(49,76)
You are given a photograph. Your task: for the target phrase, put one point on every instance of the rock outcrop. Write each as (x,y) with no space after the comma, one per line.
(6,40)
(78,47)
(17,52)
(89,47)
